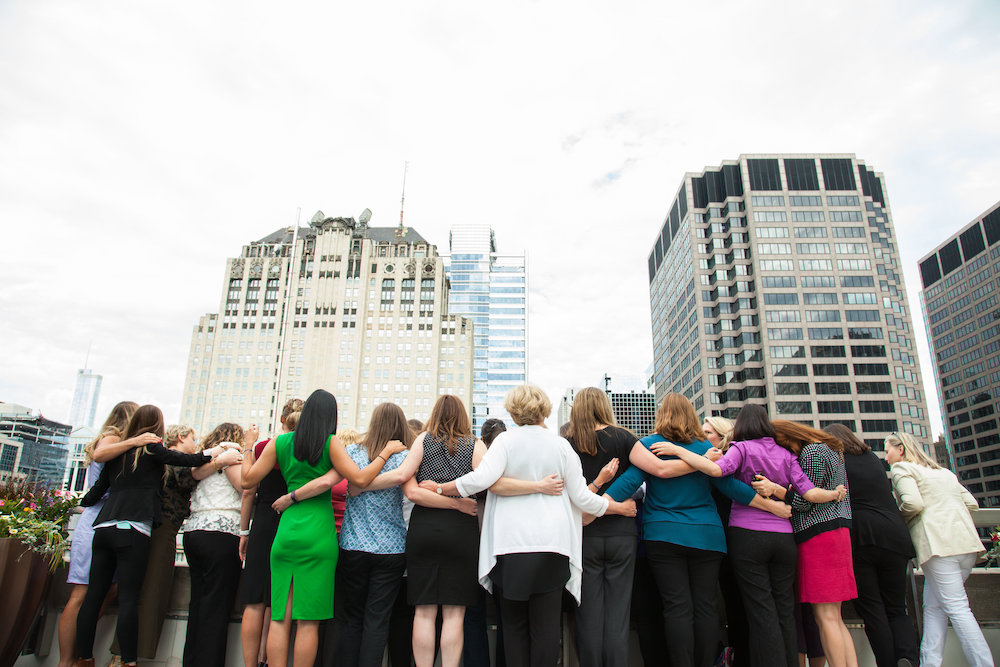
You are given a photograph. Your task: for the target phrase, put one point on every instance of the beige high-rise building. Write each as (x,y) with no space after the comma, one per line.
(775,279)
(359,311)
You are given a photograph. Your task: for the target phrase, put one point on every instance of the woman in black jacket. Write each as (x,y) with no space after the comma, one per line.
(122,529)
(881,547)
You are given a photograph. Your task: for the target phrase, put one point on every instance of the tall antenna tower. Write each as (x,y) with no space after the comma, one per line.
(402,200)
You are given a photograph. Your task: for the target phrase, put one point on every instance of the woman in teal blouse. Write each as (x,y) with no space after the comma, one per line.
(683,536)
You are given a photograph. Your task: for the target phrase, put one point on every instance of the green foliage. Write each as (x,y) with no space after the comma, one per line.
(993,555)
(37,517)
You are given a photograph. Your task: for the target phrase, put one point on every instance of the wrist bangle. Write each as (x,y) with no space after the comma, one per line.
(244,533)
(384,460)
(215,464)
(294,499)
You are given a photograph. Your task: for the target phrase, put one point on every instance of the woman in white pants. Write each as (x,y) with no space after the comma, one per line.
(936,508)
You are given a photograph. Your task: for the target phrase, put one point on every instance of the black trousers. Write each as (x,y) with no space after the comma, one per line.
(737,630)
(686,579)
(401,630)
(647,614)
(127,551)
(214,564)
(764,564)
(371,582)
(531,628)
(602,619)
(881,579)
(476,649)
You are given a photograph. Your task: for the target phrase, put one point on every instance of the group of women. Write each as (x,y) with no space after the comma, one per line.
(346,531)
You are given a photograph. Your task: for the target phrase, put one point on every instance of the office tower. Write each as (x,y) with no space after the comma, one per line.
(566,406)
(357,310)
(775,279)
(32,447)
(490,288)
(961,279)
(75,476)
(634,410)
(84,405)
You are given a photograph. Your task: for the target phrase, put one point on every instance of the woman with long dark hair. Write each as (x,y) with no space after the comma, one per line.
(304,552)
(825,574)
(761,544)
(683,537)
(122,529)
(881,549)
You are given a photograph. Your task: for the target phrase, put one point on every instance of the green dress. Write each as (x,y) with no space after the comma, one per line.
(305,549)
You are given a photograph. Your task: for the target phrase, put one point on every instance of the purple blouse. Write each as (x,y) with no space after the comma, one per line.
(763,456)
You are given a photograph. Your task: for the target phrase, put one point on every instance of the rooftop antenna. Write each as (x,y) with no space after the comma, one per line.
(402,200)
(87,359)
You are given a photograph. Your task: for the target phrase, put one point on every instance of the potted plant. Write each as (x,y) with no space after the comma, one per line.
(33,542)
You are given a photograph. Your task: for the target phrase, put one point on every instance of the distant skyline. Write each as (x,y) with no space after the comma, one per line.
(140,146)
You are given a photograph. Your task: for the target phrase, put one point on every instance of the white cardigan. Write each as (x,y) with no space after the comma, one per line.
(536,522)
(936,508)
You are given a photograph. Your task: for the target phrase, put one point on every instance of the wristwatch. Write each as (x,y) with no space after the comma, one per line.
(440,490)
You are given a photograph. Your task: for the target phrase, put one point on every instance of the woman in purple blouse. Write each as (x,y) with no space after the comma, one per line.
(761,546)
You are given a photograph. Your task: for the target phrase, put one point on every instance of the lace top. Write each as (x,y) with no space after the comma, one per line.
(175,496)
(215,505)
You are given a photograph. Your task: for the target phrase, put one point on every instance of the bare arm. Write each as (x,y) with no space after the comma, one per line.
(254,471)
(426,498)
(650,462)
(310,489)
(111,446)
(407,469)
(696,461)
(348,469)
(509,486)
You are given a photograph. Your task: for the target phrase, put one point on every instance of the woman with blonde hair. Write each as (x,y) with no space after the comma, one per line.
(107,445)
(531,545)
(122,529)
(825,572)
(683,537)
(256,538)
(937,509)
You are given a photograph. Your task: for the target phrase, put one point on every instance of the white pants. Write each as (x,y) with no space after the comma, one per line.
(945,598)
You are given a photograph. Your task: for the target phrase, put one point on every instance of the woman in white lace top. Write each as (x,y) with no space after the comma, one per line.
(211,543)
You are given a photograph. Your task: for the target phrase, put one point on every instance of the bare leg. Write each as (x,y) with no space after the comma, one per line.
(262,653)
(306,640)
(424,629)
(837,642)
(452,635)
(277,637)
(251,628)
(67,626)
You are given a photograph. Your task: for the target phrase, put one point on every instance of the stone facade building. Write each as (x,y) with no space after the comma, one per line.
(357,310)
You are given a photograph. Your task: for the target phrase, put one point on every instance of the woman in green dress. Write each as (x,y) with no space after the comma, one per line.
(304,553)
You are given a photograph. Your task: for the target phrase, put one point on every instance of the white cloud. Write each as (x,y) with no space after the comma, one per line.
(141,145)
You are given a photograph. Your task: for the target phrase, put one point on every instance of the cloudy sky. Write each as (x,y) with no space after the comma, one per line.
(143,143)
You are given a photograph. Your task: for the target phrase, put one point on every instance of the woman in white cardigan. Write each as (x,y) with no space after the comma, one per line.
(936,508)
(531,546)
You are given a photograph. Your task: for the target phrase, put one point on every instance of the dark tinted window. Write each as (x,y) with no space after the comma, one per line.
(734,180)
(930,271)
(683,200)
(801,174)
(950,257)
(972,242)
(991,223)
(764,174)
(699,192)
(838,174)
(675,221)
(871,185)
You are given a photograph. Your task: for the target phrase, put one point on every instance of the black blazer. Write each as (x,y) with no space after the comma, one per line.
(134,495)
(877,521)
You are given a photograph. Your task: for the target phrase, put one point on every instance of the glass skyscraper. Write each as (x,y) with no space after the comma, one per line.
(490,288)
(83,409)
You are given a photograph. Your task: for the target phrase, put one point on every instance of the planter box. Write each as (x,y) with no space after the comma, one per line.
(24,585)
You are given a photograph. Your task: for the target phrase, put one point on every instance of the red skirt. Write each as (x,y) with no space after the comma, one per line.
(826,568)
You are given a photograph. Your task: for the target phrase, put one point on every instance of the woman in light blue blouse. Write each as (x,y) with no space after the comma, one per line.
(372,544)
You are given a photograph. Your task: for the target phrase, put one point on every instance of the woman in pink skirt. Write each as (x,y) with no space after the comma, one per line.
(825,575)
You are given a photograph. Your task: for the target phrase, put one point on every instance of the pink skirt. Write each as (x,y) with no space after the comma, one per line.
(826,568)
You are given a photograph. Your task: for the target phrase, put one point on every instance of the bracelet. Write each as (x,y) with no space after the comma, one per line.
(384,460)
(215,464)
(294,499)
(244,533)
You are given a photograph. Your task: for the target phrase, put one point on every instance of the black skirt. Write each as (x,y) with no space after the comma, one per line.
(442,557)
(255,587)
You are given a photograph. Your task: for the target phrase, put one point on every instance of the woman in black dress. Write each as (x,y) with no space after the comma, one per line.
(255,546)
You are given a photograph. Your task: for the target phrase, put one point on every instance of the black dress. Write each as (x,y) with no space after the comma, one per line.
(256,583)
(442,546)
